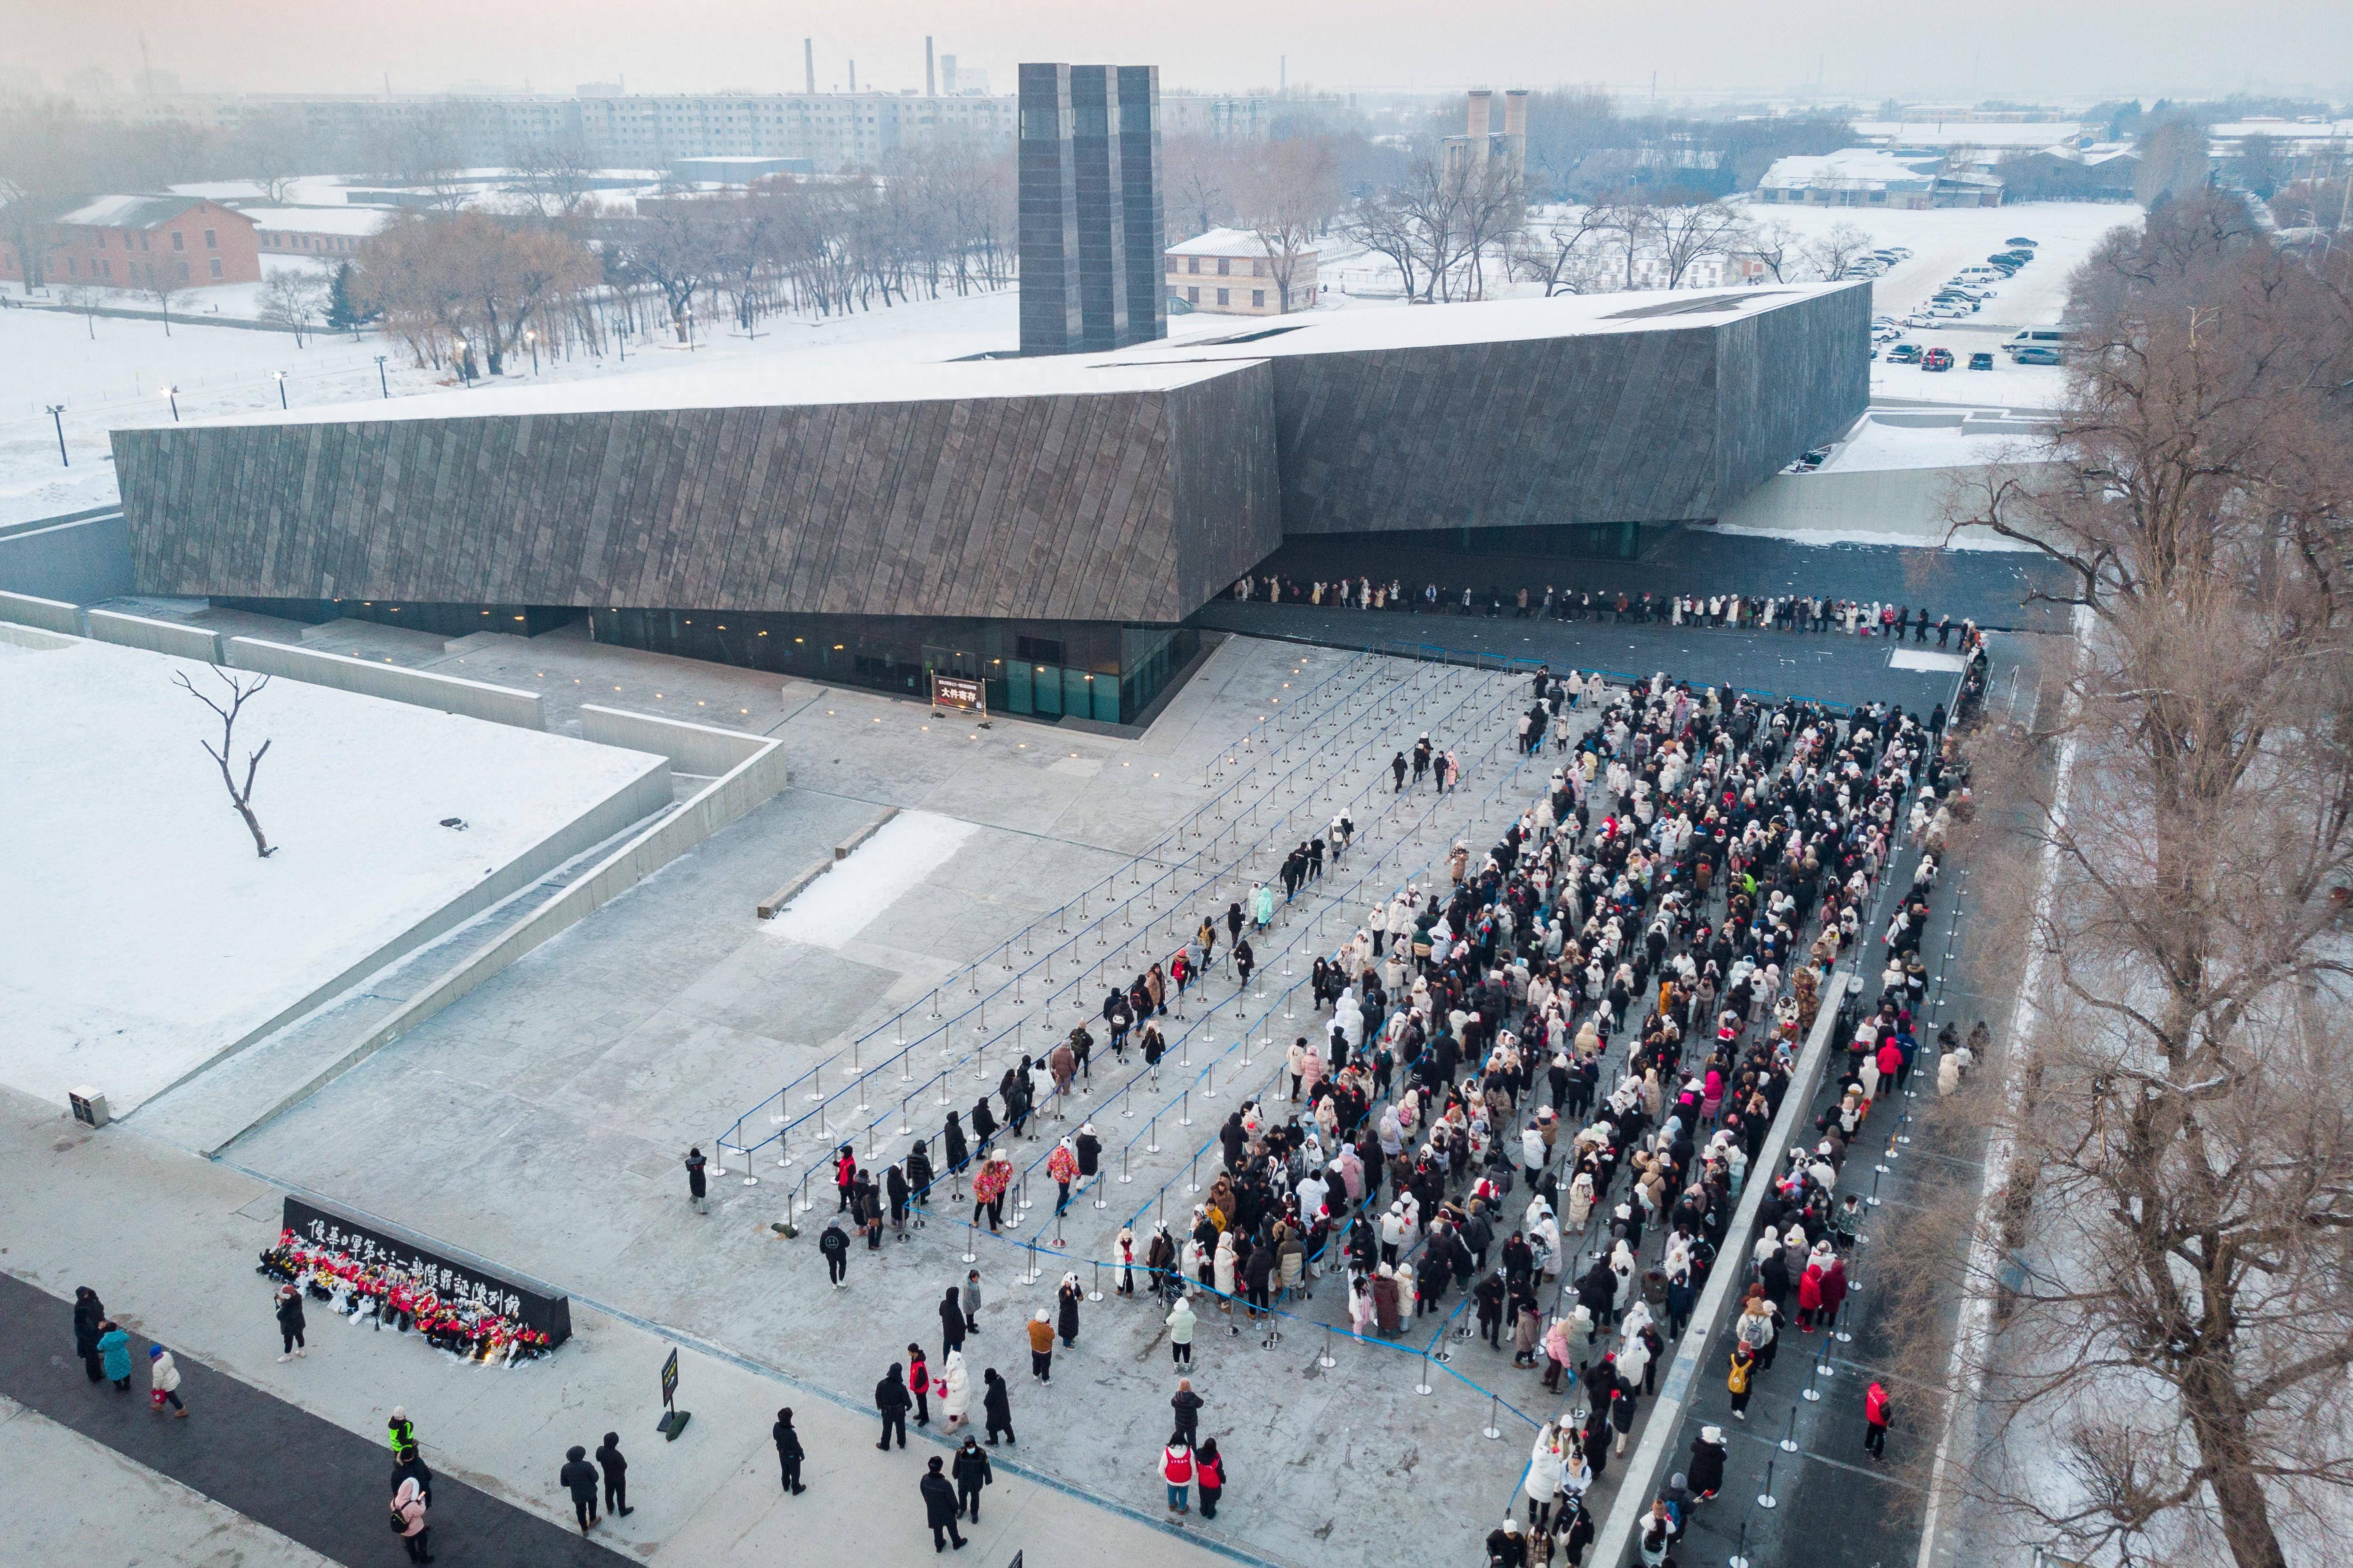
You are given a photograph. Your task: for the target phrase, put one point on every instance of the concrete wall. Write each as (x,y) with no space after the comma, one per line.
(419,688)
(50,615)
(34,637)
(700,748)
(155,635)
(1904,505)
(734,793)
(78,559)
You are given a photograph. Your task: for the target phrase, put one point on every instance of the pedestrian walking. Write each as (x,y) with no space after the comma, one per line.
(290,1322)
(833,1242)
(972,1301)
(617,1476)
(114,1354)
(408,1517)
(940,1507)
(1176,1470)
(789,1453)
(890,1399)
(1209,1471)
(164,1383)
(697,1189)
(972,1471)
(996,1407)
(578,1477)
(1041,1347)
(1875,1411)
(89,1316)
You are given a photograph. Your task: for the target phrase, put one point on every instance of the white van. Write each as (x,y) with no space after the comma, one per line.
(2038,345)
(1988,273)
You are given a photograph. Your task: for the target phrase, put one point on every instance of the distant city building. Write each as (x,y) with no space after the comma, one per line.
(1483,146)
(1227,271)
(737,171)
(138,241)
(1090,212)
(1909,178)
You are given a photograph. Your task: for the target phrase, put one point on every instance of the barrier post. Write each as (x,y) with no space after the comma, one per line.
(1185,1108)
(1790,1442)
(1423,1387)
(1327,1360)
(1491,1429)
(1031,1277)
(969,1256)
(1095,1292)
(1152,1136)
(1766,1498)
(1193,1181)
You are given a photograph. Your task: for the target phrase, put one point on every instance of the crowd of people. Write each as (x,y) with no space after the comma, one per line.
(1541,1081)
(1775,612)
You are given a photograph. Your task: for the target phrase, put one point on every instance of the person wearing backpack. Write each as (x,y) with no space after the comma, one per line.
(408,1521)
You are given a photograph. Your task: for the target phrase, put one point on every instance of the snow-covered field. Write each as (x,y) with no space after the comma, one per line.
(142,933)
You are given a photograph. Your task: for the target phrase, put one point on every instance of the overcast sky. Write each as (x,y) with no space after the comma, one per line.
(1870,48)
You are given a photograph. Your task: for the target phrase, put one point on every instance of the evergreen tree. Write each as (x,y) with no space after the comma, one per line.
(342,314)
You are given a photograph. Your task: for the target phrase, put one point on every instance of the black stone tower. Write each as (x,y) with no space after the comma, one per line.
(1089,207)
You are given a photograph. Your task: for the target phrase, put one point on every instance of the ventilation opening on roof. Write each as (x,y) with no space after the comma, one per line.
(1696,307)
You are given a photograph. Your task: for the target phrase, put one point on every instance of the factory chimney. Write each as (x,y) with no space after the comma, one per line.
(808,63)
(1481,118)
(1515,128)
(853,78)
(931,82)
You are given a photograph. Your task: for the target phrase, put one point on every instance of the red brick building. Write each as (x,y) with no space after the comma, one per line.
(129,242)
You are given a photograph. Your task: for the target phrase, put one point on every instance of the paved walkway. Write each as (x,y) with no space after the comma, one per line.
(309,1479)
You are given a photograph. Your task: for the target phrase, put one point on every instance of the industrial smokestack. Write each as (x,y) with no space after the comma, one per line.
(1516,126)
(853,77)
(1481,114)
(931,82)
(808,63)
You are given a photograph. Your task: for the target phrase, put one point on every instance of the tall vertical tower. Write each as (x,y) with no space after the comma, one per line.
(1140,206)
(931,82)
(1047,226)
(1089,235)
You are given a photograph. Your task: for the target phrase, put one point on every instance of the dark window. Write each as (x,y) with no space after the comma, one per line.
(1192,264)
(1038,650)
(217,269)
(1225,266)
(1193,295)
(1222,298)
(179,240)
(1258,298)
(212,239)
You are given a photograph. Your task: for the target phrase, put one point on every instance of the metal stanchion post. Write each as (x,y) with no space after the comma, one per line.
(1789,1443)
(969,1256)
(1185,1108)
(1031,1277)
(817,1086)
(1423,1387)
(1193,1181)
(1740,1558)
(1810,1394)
(1491,1429)
(1095,1292)
(1766,1498)
(1210,1081)
(1152,1136)
(1327,1360)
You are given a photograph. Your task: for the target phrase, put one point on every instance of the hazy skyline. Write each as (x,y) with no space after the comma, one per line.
(1846,47)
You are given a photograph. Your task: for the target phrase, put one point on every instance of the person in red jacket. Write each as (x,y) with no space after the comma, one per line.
(1177,1469)
(919,1384)
(1874,1416)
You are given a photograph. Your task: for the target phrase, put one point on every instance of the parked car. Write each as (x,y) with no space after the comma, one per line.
(2034,356)
(1981,359)
(2020,239)
(1938,359)
(1903,354)
(1814,459)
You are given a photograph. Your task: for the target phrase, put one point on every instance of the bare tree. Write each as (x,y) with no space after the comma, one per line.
(293,298)
(2174,159)
(1831,254)
(552,176)
(1567,255)
(1688,233)
(1288,199)
(2171,1253)
(239,690)
(270,149)
(1774,246)
(163,284)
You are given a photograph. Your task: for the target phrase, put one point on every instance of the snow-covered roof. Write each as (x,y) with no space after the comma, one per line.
(1226,242)
(358,222)
(131,211)
(1853,168)
(1969,133)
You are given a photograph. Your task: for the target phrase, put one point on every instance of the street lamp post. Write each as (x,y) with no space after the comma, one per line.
(172,395)
(57,414)
(531,338)
(279,377)
(689,328)
(380,380)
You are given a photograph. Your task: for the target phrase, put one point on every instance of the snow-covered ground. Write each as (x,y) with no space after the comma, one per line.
(1876,447)
(142,933)
(848,898)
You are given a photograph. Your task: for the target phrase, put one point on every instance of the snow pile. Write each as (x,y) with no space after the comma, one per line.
(142,934)
(879,872)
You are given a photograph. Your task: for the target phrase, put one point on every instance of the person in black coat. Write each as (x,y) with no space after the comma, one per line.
(89,1313)
(834,1242)
(697,1189)
(411,1468)
(1088,1149)
(920,1176)
(617,1476)
(940,1507)
(950,1325)
(996,1407)
(896,1188)
(578,1477)
(1705,1475)
(290,1322)
(891,1399)
(789,1453)
(952,1143)
(972,1472)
